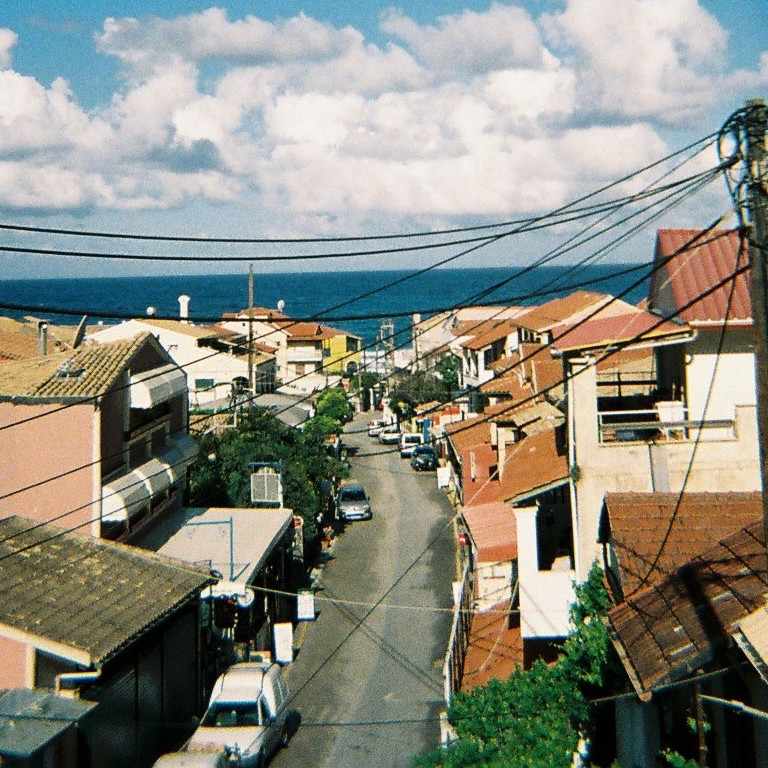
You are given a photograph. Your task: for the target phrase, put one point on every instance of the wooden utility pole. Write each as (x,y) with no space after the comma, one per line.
(251,383)
(755,129)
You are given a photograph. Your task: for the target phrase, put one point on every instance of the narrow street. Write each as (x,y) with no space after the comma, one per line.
(368,680)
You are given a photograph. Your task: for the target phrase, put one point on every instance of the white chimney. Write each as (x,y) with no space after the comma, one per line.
(184,308)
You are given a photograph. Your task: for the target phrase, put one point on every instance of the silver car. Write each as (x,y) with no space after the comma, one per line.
(352,502)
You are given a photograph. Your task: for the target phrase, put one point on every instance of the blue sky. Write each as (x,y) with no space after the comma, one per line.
(319,119)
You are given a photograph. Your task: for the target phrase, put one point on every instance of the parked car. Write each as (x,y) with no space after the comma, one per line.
(424,457)
(216,757)
(390,435)
(408,441)
(375,426)
(247,714)
(352,502)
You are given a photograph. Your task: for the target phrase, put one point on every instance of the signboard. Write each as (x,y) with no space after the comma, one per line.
(305,605)
(284,642)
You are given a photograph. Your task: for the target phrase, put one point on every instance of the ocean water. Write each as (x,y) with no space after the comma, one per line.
(356,301)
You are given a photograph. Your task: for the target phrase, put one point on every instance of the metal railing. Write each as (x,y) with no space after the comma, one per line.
(458,641)
(660,424)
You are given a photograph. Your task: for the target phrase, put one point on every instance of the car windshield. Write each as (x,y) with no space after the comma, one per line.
(425,449)
(232,714)
(353,494)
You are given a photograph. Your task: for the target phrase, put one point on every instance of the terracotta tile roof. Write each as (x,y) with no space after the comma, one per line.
(533,465)
(88,596)
(599,333)
(258,313)
(493,529)
(566,308)
(468,433)
(484,336)
(495,647)
(637,524)
(88,371)
(691,272)
(672,628)
(17,346)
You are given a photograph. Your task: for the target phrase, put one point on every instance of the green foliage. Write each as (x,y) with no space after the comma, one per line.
(221,474)
(414,389)
(333,404)
(675,760)
(447,369)
(536,717)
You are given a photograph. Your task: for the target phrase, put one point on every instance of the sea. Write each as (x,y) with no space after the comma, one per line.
(356,301)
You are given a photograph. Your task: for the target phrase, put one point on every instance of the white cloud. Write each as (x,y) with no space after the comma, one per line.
(656,59)
(478,114)
(8,39)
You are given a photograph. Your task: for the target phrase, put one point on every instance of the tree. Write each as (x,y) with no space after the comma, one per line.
(414,389)
(221,474)
(537,717)
(447,368)
(333,403)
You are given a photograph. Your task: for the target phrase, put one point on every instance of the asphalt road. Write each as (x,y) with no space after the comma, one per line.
(368,679)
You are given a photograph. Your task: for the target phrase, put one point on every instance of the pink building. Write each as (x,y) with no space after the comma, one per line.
(94,439)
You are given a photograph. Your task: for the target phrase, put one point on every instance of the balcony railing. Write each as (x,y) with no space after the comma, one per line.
(667,421)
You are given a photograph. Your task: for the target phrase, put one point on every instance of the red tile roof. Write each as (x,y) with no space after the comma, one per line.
(692,271)
(679,527)
(672,628)
(493,529)
(477,485)
(486,336)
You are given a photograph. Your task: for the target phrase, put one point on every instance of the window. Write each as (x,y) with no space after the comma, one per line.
(353,344)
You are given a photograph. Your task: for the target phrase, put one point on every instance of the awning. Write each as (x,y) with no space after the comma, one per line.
(153,387)
(128,494)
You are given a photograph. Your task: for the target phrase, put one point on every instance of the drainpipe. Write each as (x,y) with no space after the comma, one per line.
(68,681)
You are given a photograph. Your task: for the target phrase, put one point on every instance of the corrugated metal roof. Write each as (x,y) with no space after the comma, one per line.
(636,327)
(669,629)
(493,528)
(573,307)
(691,272)
(674,527)
(534,464)
(87,597)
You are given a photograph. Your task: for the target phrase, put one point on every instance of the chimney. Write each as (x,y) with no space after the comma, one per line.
(184,308)
(42,338)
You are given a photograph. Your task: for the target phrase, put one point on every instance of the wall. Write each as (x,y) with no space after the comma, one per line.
(721,465)
(14,664)
(49,453)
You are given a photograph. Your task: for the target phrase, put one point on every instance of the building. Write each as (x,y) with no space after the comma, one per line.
(95,438)
(109,624)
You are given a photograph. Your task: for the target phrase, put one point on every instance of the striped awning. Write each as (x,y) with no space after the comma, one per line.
(153,387)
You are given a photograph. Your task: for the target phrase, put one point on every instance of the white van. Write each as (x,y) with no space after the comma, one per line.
(246,715)
(408,441)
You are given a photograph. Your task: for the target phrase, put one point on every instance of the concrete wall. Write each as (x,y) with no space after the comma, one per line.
(13,665)
(727,464)
(545,596)
(48,458)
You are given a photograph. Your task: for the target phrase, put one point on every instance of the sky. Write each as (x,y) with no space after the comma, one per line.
(282,119)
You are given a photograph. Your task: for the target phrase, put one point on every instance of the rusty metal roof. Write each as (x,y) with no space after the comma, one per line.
(693,266)
(493,528)
(652,534)
(670,629)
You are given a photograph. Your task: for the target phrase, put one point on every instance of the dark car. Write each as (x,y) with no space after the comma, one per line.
(352,502)
(424,457)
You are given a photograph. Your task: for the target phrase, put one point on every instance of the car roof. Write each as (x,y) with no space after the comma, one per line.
(242,678)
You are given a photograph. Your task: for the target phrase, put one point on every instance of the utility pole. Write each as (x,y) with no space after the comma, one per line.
(251,383)
(755,128)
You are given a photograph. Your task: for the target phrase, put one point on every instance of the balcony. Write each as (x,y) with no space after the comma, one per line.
(667,420)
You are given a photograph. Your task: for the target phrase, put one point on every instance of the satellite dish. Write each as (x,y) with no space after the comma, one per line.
(80,333)
(280,305)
